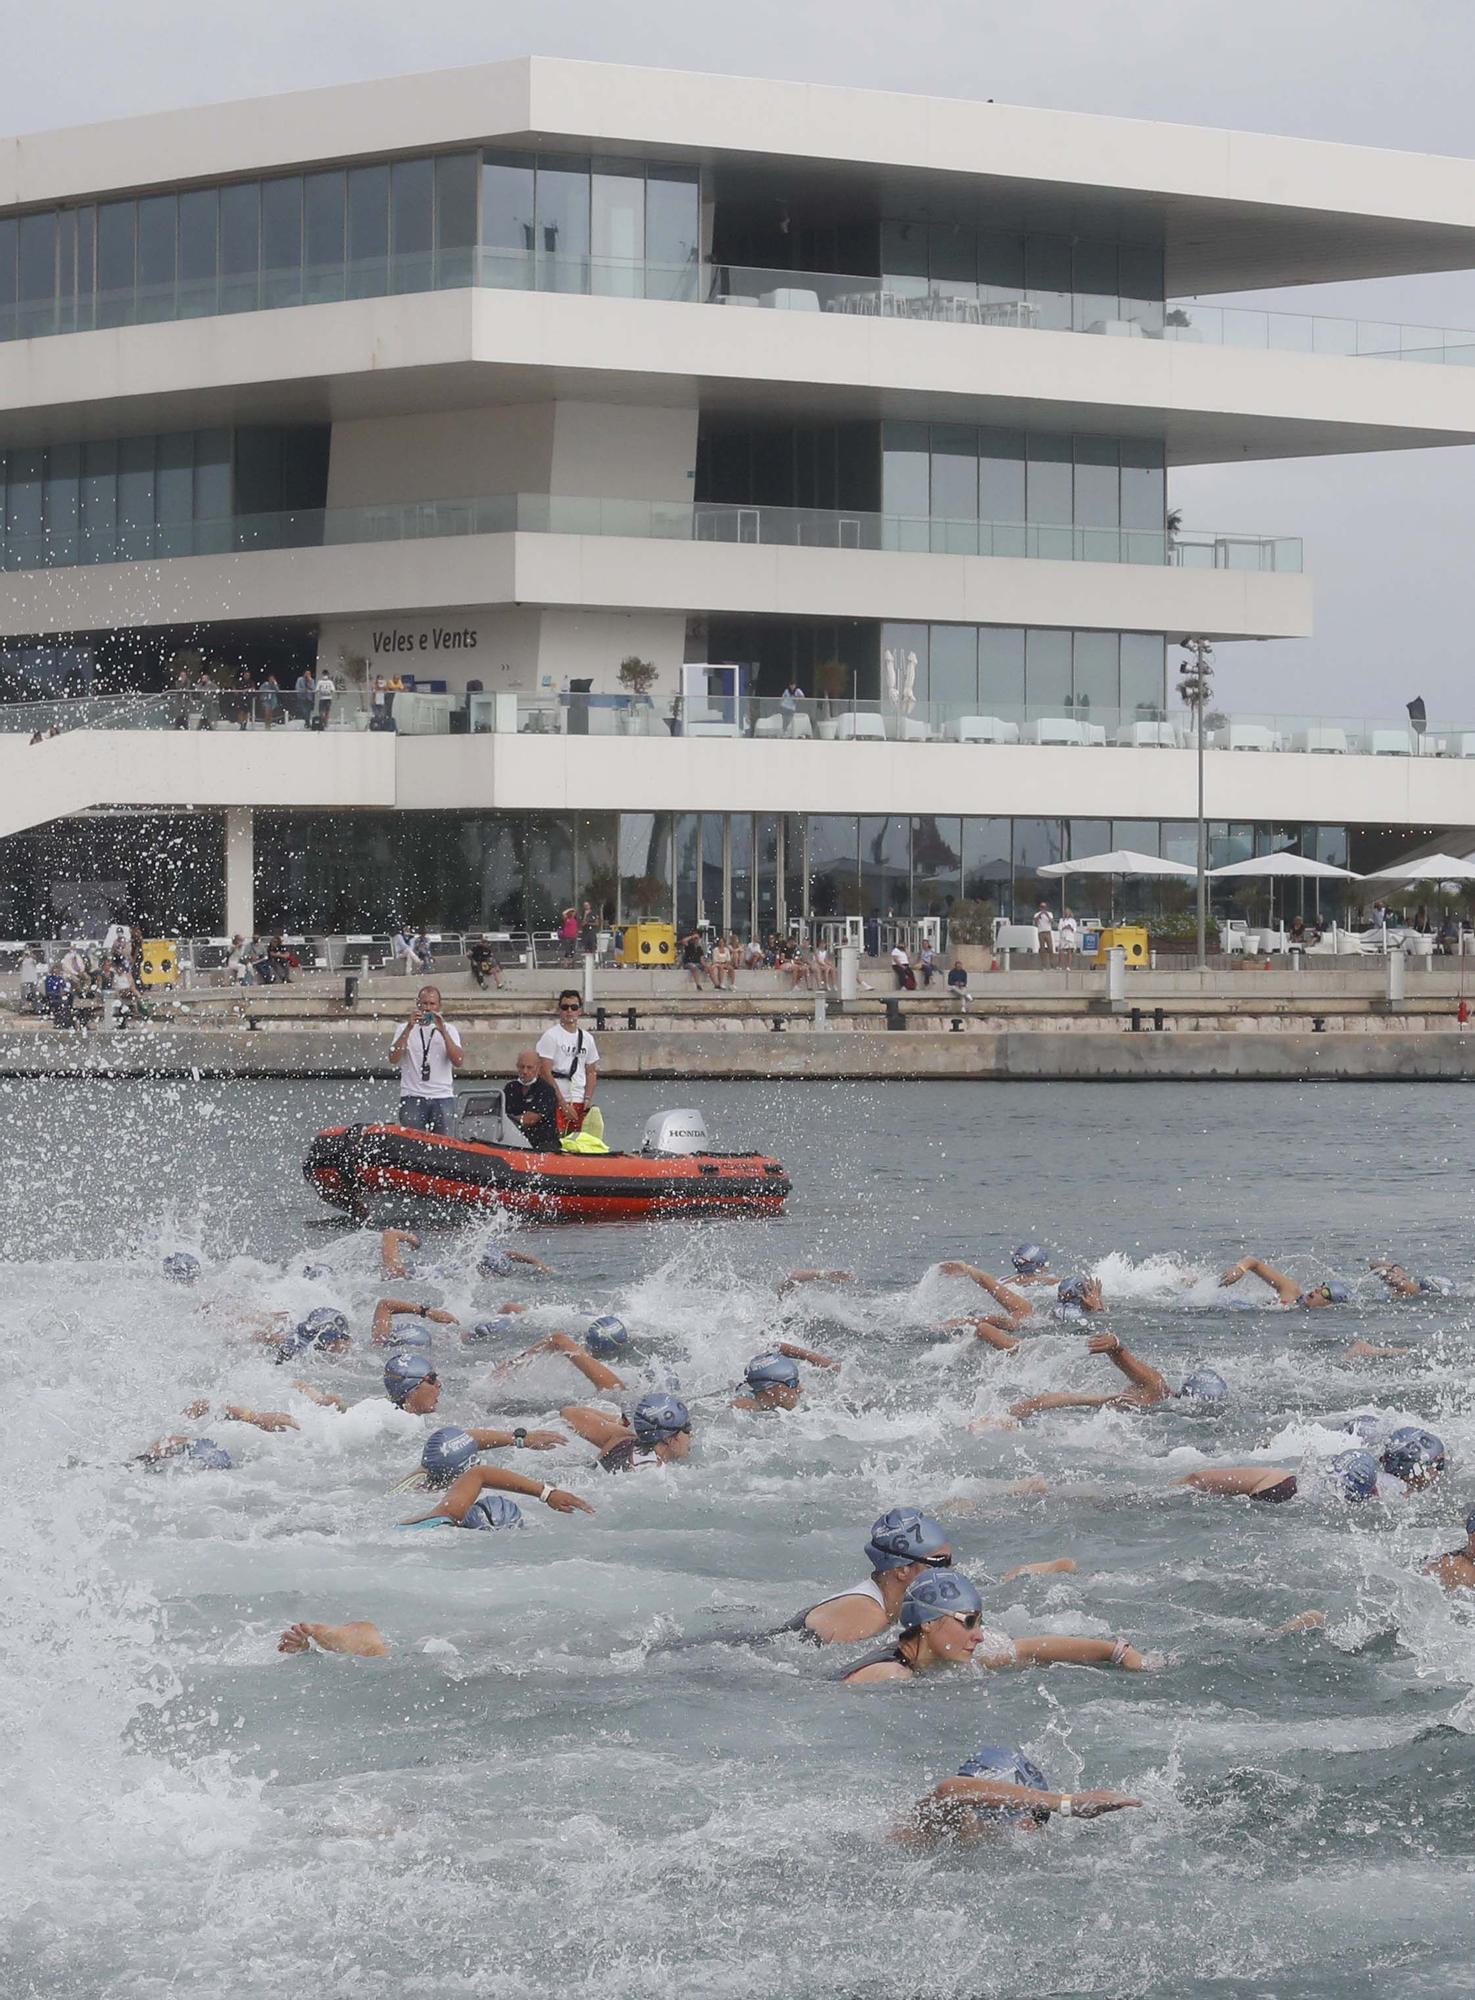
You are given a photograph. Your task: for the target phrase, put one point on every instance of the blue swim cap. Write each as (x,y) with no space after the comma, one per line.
(1335,1292)
(417,1337)
(1440,1286)
(447,1452)
(1071,1291)
(181,1268)
(904,1535)
(1413,1455)
(1206,1385)
(313,1272)
(1027,1259)
(494,1262)
(1012,1767)
(205,1455)
(404,1373)
(606,1335)
(488,1329)
(493,1510)
(941,1593)
(771,1371)
(327,1326)
(1355,1473)
(656,1419)
(1367,1428)
(1470,1524)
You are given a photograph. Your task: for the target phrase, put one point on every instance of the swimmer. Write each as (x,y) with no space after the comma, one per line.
(1351,1476)
(1075,1296)
(997,1791)
(358,1638)
(1455,1571)
(450,1450)
(904,1545)
(772,1380)
(792,1278)
(181,1267)
(658,1433)
(1149,1386)
(1031,1265)
(941,1620)
(1412,1458)
(1330,1292)
(606,1336)
(1402,1285)
(496,1261)
(324,1331)
(468,1487)
(382,1332)
(185,1454)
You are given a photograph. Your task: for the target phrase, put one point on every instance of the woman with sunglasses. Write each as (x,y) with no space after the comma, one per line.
(658,1433)
(941,1620)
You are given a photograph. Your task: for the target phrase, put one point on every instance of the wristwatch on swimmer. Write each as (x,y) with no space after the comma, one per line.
(519,1438)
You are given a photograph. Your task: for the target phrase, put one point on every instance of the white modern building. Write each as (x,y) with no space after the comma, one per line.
(498,380)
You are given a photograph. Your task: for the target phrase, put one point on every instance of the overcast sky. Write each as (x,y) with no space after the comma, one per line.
(1385,535)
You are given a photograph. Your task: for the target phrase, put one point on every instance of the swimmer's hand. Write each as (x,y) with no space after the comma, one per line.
(563,1502)
(1364,1350)
(1233,1275)
(438,1316)
(359,1638)
(556,1343)
(264,1420)
(1103,1343)
(980,1426)
(955,1268)
(1062,1566)
(543,1440)
(1091,1805)
(197,1409)
(1304,1621)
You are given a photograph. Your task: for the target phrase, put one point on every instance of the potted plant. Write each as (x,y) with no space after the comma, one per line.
(830,677)
(636,676)
(647,893)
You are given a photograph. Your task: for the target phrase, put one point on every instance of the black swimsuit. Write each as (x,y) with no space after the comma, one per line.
(882,1654)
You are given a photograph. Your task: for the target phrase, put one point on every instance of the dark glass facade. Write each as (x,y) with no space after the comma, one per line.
(175,493)
(944,473)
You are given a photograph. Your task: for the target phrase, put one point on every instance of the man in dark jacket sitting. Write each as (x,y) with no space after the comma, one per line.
(531,1105)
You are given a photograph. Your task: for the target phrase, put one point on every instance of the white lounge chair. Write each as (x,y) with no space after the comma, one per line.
(1148,736)
(855,728)
(1250,736)
(1323,740)
(1061,730)
(1389,743)
(981,729)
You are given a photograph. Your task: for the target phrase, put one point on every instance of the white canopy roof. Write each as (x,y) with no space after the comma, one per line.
(1432,868)
(1120,861)
(1284,864)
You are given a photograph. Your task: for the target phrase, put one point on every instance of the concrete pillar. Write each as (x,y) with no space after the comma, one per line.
(240,871)
(1397,967)
(1116,975)
(849,956)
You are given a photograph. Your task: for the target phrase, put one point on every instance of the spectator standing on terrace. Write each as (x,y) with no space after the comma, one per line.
(789,708)
(305,688)
(323,695)
(1045,928)
(30,979)
(269,701)
(568,935)
(1067,937)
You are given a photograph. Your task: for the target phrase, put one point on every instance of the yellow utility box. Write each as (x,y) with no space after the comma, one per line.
(1133,940)
(649,944)
(160,962)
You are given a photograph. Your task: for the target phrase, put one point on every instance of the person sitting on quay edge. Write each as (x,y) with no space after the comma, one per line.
(694,958)
(483,962)
(531,1104)
(428,1051)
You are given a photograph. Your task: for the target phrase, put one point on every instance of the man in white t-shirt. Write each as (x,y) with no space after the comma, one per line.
(568,1058)
(901,964)
(1045,925)
(428,1051)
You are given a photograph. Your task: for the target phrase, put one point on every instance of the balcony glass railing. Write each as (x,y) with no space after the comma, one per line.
(658,520)
(1070,723)
(917,299)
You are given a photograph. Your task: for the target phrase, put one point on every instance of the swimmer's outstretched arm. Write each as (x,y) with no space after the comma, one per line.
(990,1330)
(1365,1350)
(1017,1308)
(1060,1566)
(393,1243)
(1232,1480)
(1064,1399)
(1152,1386)
(522,1257)
(469,1486)
(1286,1289)
(324,1398)
(1052,1651)
(382,1330)
(797,1353)
(792,1278)
(507,1441)
(363,1640)
(955,1792)
(264,1420)
(589,1366)
(1394,1277)
(596,1427)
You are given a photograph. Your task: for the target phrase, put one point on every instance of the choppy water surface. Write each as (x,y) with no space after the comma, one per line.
(535,1793)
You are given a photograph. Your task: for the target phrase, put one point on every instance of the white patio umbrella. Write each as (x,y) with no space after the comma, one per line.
(1282,867)
(1432,868)
(1120,861)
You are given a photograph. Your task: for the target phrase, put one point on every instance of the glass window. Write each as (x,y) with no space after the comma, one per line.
(1088,836)
(904,258)
(834,887)
(1325,843)
(1001,498)
(952,260)
(65,319)
(281,241)
(740,889)
(1000,266)
(412,225)
(99,500)
(1094,278)
(617,246)
(36,275)
(1140,279)
(86,268)
(136,498)
(954,489)
(455,218)
(550,868)
(1098,497)
(1180,841)
(507,221)
(174,492)
(199,251)
(1001,671)
(1047,279)
(1048,672)
(1048,496)
(158,232)
(240,246)
(906,493)
(937,865)
(1097,677)
(645,866)
(987,869)
(1036,842)
(324,213)
(116,250)
(563,226)
(1144,501)
(1144,673)
(688,866)
(212,494)
(885,866)
(368,232)
(9,234)
(25,508)
(954,668)
(1229,842)
(1140,835)
(673,232)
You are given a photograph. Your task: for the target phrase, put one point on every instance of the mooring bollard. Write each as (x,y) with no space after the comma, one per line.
(601,1020)
(1136,1019)
(894,1016)
(351,990)
(1159,1019)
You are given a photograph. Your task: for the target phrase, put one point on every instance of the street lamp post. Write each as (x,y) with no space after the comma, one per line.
(1195,678)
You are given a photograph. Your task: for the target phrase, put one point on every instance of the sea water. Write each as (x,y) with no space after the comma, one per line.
(566,1777)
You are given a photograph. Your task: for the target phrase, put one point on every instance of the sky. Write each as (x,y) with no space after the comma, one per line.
(1385,534)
